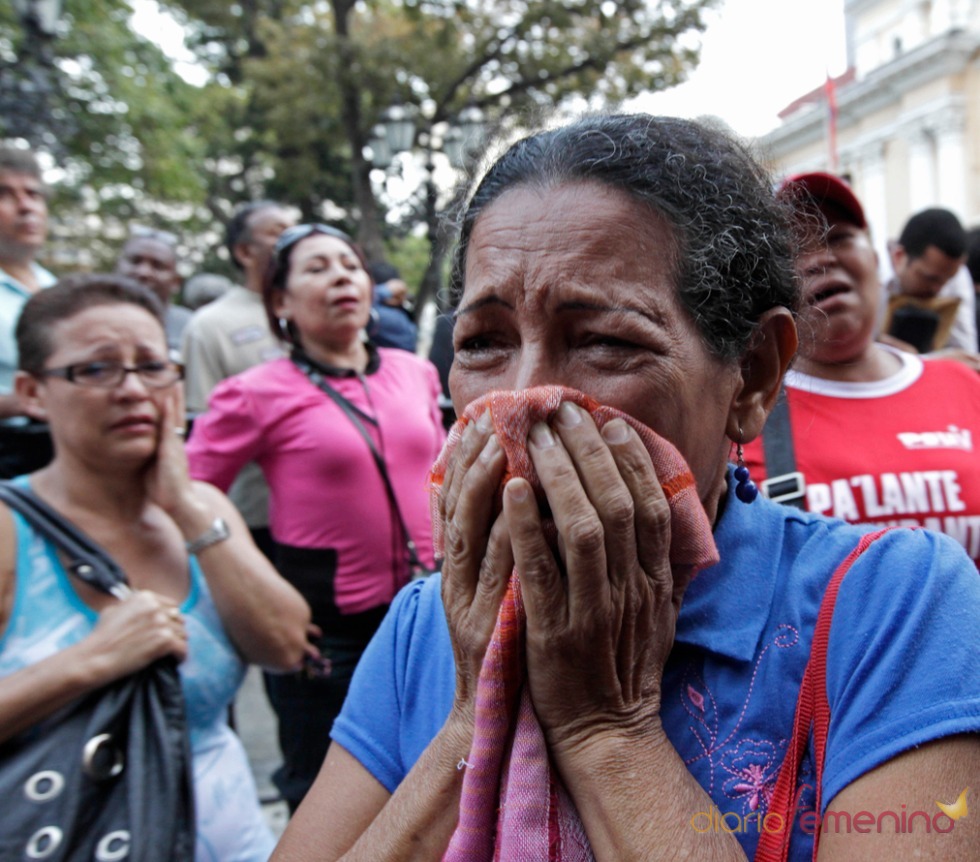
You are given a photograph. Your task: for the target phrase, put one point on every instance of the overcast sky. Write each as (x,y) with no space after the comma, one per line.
(757,57)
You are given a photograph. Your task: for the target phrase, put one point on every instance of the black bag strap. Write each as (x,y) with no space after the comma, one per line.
(785,484)
(87,560)
(352,412)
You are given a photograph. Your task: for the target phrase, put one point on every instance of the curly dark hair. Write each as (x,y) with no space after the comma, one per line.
(734,251)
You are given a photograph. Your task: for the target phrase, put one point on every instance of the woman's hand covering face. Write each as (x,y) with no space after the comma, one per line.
(607,501)
(168,482)
(601,616)
(573,286)
(478,557)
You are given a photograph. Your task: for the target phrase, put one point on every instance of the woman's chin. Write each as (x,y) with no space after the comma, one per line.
(346,330)
(134,453)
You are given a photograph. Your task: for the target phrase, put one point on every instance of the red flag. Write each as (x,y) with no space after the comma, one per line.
(830,94)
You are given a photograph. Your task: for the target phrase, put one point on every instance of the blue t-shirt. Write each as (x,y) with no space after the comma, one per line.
(902,662)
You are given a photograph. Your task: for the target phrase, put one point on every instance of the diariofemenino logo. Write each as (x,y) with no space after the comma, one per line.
(863,822)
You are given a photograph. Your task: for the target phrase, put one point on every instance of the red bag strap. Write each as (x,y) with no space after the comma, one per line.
(812,711)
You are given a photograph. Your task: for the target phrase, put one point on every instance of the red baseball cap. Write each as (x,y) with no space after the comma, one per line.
(819,188)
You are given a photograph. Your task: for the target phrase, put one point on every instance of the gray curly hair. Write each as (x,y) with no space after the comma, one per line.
(733,258)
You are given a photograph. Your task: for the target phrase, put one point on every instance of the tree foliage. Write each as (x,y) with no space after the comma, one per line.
(294,89)
(116,125)
(312,79)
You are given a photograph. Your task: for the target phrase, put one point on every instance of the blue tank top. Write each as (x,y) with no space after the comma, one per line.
(48,616)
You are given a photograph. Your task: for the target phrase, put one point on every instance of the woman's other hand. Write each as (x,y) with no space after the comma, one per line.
(601,619)
(478,559)
(128,636)
(135,632)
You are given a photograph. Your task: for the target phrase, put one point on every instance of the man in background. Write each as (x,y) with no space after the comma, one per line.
(204,287)
(150,257)
(25,445)
(928,262)
(23,230)
(392,324)
(231,334)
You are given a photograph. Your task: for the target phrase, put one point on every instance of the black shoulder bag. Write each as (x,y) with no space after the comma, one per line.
(107,777)
(416,568)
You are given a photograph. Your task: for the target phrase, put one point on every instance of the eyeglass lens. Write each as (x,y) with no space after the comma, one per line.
(156,374)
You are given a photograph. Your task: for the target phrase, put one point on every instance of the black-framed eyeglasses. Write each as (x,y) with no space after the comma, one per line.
(292,235)
(155,373)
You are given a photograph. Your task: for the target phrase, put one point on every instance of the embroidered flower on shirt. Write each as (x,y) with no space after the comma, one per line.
(753,765)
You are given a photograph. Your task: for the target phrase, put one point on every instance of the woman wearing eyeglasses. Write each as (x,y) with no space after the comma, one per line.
(345,434)
(94,365)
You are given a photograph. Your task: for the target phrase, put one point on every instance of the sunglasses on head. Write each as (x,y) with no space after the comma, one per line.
(292,235)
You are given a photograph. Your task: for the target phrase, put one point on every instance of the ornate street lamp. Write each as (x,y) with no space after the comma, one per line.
(381,154)
(396,133)
(465,137)
(398,122)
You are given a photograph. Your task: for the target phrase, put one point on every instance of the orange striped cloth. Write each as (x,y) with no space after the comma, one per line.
(513,806)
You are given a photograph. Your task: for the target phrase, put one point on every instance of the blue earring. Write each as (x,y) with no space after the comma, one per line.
(745,489)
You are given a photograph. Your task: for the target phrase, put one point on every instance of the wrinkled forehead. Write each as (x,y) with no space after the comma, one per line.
(17,179)
(577,245)
(554,224)
(103,324)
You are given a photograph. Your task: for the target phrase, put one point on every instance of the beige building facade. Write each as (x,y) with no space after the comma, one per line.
(908,113)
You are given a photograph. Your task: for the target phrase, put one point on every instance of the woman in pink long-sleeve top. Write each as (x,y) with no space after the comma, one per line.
(341,528)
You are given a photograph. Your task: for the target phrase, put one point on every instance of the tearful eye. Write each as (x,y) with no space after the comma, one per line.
(608,341)
(474,343)
(96,370)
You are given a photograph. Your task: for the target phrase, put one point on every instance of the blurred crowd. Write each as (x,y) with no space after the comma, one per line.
(297,390)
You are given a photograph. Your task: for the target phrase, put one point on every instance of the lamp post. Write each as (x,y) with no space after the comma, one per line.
(465,137)
(26,83)
(459,143)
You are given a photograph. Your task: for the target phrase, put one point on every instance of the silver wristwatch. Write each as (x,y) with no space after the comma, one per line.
(217,532)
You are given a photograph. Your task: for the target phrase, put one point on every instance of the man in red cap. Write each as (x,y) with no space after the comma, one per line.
(865,432)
